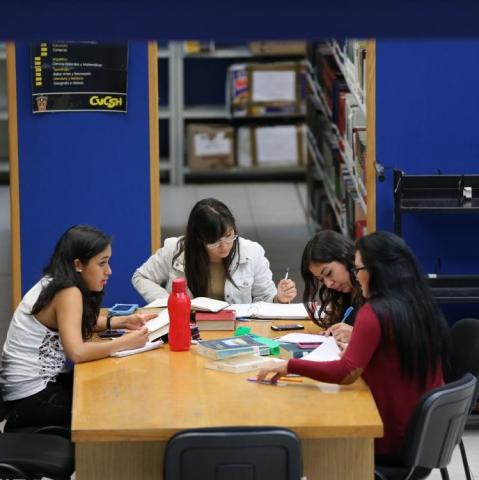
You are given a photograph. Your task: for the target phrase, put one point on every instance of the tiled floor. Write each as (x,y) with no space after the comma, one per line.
(270,213)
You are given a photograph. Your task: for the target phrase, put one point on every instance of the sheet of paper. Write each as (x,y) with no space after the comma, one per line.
(158,303)
(302,338)
(288,311)
(145,348)
(206,145)
(328,351)
(271,85)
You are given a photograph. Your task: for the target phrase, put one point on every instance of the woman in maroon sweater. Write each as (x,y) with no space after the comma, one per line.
(399,340)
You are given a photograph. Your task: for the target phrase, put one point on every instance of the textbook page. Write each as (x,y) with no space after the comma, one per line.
(328,351)
(243,310)
(158,303)
(158,326)
(286,311)
(208,304)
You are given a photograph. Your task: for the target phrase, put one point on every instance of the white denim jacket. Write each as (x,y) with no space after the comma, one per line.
(252,275)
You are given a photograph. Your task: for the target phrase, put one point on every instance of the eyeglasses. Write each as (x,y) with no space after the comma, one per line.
(356,270)
(225,240)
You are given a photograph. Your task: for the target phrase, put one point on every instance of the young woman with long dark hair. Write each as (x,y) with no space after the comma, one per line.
(327,269)
(54,323)
(399,341)
(215,261)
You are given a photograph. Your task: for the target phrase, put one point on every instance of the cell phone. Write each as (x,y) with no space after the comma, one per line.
(123,309)
(111,333)
(289,326)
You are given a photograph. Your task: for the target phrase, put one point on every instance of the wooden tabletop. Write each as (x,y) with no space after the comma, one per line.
(152,395)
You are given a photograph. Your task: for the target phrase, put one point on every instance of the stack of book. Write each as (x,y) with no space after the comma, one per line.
(231,347)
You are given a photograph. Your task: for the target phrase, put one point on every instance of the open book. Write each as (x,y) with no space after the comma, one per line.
(265,310)
(158,326)
(204,304)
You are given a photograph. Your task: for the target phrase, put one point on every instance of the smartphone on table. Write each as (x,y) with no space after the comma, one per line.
(288,326)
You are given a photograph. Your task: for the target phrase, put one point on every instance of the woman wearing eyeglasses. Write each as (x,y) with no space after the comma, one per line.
(327,268)
(215,261)
(399,341)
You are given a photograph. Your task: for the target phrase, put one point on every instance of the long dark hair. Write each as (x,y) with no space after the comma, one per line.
(325,247)
(399,295)
(209,220)
(81,242)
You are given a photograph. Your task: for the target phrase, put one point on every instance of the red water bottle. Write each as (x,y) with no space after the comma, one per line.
(179,310)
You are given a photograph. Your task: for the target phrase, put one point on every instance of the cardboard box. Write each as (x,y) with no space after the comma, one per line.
(262,89)
(278,48)
(210,146)
(276,146)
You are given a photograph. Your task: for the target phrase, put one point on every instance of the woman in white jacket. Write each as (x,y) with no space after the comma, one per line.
(215,261)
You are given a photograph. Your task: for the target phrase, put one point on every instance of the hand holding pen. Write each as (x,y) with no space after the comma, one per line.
(341,331)
(286,289)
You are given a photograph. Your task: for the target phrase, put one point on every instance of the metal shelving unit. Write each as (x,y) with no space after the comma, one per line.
(179,112)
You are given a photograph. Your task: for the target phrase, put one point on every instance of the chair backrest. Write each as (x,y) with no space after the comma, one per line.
(249,453)
(464,351)
(437,424)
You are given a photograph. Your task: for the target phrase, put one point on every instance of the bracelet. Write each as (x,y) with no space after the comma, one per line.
(108,320)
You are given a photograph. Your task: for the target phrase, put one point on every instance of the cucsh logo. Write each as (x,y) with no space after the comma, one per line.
(108,101)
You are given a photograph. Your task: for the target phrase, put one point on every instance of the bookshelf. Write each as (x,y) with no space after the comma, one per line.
(341,155)
(187,104)
(4,164)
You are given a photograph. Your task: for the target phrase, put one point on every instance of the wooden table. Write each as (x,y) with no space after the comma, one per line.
(125,409)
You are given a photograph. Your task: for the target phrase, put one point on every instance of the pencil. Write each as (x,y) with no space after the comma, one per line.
(289,379)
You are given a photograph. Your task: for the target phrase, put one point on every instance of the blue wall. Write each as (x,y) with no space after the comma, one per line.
(427,120)
(84,167)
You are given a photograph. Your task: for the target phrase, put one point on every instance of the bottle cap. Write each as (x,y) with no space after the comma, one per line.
(179,285)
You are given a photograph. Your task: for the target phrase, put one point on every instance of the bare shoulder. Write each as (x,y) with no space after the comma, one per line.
(69,295)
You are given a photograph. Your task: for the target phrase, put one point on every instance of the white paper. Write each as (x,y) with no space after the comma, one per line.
(277,145)
(158,303)
(328,351)
(145,348)
(303,338)
(271,86)
(206,145)
(266,310)
(243,310)
(208,304)
(160,322)
(288,311)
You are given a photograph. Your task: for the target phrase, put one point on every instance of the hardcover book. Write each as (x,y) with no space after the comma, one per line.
(223,320)
(230,347)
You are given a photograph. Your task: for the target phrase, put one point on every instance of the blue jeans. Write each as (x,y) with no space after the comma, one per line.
(51,406)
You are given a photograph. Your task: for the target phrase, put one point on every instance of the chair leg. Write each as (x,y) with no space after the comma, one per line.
(462,448)
(444,474)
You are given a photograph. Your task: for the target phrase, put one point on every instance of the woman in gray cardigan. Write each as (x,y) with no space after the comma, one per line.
(215,261)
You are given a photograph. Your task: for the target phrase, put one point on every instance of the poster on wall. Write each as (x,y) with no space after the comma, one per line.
(79,76)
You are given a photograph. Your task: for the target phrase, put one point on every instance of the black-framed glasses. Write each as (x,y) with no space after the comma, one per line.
(356,270)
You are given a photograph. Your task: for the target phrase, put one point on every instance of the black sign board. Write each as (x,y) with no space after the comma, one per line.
(76,76)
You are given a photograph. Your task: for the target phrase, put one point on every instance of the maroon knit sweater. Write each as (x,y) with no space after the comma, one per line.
(395,395)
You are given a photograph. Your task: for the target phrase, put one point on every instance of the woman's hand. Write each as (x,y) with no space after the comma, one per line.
(286,291)
(277,371)
(134,339)
(340,331)
(137,320)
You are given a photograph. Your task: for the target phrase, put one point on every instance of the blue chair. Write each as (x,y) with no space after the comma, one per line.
(433,432)
(244,453)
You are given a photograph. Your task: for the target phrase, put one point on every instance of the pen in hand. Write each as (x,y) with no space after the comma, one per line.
(287,274)
(346,314)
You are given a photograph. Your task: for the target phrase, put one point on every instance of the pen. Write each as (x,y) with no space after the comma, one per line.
(347,313)
(287,274)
